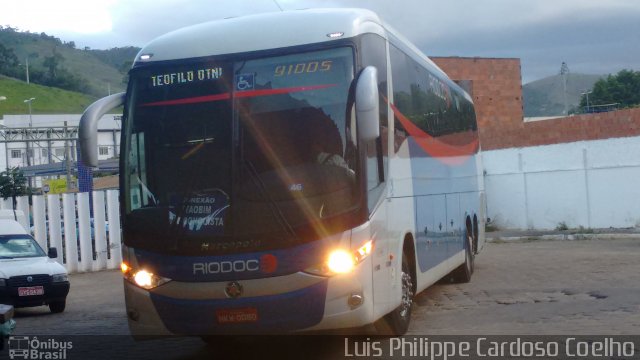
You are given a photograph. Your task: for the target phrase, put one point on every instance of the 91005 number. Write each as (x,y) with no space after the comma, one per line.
(303,68)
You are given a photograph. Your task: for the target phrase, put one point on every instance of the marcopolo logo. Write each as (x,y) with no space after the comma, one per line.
(266,264)
(28,348)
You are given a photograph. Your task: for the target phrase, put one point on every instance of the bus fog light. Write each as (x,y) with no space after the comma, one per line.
(133,315)
(355,300)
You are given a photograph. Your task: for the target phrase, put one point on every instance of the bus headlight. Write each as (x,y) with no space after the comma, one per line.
(340,261)
(142,278)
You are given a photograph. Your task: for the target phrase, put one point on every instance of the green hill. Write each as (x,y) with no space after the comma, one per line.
(545,97)
(97,71)
(48,100)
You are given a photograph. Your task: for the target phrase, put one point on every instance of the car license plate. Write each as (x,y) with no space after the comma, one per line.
(30,291)
(237,316)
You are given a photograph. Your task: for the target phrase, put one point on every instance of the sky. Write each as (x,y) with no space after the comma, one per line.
(592,36)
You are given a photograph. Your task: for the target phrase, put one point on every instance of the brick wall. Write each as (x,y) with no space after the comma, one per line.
(616,124)
(496,87)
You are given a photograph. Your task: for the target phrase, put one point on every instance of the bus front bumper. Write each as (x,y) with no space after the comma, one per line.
(286,304)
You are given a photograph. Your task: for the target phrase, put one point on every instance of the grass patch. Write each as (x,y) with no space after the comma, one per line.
(48,100)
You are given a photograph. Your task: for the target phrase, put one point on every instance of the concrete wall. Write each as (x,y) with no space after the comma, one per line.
(579,170)
(593,184)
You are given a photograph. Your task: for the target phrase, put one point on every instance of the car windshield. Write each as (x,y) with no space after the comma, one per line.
(19,246)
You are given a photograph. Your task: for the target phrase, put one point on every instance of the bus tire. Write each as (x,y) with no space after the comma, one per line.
(463,273)
(396,323)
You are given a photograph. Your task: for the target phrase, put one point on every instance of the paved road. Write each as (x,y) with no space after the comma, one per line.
(532,287)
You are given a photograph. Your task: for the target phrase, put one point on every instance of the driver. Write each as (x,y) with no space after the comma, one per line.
(325,158)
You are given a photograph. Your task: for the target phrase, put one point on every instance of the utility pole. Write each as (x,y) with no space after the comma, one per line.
(28,102)
(67,158)
(27,62)
(564,72)
(586,93)
(6,147)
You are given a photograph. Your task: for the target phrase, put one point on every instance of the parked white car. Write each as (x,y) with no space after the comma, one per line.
(28,275)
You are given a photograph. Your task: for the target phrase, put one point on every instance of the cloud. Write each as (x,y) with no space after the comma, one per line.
(586,42)
(591,35)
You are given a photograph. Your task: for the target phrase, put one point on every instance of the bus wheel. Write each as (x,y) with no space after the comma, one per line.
(396,323)
(463,273)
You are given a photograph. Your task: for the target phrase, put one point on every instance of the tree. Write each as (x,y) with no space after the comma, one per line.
(52,63)
(13,183)
(622,88)
(8,60)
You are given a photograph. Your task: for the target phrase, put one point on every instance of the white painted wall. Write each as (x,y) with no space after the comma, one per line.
(593,184)
(77,241)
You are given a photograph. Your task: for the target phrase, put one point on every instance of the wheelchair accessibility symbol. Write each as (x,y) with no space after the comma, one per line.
(244,82)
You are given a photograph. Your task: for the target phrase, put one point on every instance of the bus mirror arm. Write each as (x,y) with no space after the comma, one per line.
(88,132)
(368,104)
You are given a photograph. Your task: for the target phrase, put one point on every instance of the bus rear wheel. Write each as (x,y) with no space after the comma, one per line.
(463,273)
(396,323)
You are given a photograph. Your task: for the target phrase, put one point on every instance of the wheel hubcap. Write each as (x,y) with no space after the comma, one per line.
(407,294)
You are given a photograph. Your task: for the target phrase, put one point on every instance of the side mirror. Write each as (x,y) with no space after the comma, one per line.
(53,253)
(368,104)
(88,132)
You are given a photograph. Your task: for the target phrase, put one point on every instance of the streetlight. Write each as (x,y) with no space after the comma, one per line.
(28,102)
(587,94)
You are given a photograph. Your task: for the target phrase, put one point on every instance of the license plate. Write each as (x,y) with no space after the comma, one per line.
(30,291)
(237,316)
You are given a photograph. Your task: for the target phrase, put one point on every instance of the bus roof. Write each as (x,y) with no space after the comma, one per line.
(261,32)
(278,30)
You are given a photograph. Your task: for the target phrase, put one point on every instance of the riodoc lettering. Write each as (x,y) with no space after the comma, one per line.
(224,267)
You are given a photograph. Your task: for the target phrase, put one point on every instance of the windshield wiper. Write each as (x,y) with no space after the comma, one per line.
(275,209)
(146,192)
(6,257)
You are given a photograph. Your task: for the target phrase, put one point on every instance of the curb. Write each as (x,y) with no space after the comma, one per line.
(562,237)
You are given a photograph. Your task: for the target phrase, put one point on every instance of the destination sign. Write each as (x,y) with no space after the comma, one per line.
(184,77)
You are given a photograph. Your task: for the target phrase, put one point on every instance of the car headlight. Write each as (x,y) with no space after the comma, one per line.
(3,282)
(341,261)
(60,278)
(142,277)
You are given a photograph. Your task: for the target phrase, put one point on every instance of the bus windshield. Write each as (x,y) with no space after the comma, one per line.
(240,148)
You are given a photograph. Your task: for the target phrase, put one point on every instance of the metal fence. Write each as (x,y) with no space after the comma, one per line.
(88,238)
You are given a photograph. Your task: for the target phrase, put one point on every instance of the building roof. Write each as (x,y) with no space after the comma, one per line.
(107,122)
